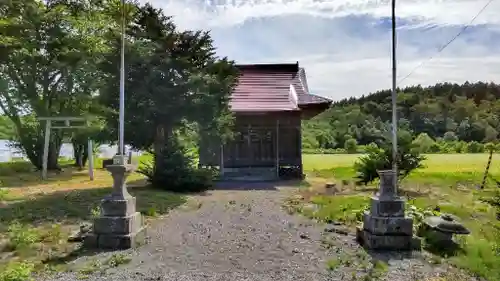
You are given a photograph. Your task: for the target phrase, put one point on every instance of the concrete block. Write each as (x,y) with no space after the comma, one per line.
(386,242)
(388,225)
(113,207)
(116,241)
(387,208)
(118,225)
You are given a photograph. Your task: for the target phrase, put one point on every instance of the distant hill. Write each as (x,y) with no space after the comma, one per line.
(467,112)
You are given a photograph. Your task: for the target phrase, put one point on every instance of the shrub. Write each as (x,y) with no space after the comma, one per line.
(489,147)
(351,146)
(377,159)
(475,147)
(460,147)
(175,170)
(423,143)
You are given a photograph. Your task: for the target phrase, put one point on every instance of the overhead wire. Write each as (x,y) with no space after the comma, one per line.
(448,43)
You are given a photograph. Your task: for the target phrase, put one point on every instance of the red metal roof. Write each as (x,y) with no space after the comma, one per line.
(272,87)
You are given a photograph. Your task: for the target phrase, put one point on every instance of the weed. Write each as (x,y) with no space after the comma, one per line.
(53,234)
(4,194)
(152,212)
(379,268)
(333,264)
(17,271)
(22,236)
(95,212)
(90,268)
(117,259)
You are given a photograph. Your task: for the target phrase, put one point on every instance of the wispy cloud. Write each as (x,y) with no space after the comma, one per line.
(345,45)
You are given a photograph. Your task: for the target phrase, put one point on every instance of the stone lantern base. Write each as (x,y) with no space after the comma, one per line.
(385,226)
(120,226)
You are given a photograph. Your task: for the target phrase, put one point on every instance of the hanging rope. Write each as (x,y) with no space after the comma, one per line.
(486,171)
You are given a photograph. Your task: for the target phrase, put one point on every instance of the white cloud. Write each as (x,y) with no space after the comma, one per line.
(345,44)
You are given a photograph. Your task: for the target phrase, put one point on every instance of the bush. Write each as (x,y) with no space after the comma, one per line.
(377,159)
(351,146)
(475,147)
(424,144)
(176,171)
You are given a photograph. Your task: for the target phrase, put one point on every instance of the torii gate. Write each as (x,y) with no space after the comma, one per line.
(67,123)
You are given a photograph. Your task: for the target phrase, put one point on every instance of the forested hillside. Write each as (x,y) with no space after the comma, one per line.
(445,112)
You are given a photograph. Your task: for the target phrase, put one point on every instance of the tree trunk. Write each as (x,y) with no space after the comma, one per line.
(53,158)
(158,145)
(80,152)
(33,148)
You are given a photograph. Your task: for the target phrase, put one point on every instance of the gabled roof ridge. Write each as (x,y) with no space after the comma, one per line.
(303,80)
(280,67)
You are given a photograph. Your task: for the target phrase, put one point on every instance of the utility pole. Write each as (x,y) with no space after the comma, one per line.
(394,98)
(120,225)
(121,128)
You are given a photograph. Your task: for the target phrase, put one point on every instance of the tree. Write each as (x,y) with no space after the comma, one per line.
(408,158)
(351,145)
(450,137)
(423,143)
(48,55)
(174,81)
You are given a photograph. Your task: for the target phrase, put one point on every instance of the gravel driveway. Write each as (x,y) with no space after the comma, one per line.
(245,235)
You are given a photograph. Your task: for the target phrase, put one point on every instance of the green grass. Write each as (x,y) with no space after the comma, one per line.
(37,216)
(447,180)
(442,168)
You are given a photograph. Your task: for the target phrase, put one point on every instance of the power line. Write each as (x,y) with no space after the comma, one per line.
(449,42)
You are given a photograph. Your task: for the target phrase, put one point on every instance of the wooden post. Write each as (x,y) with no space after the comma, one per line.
(299,132)
(46,149)
(222,160)
(277,148)
(91,160)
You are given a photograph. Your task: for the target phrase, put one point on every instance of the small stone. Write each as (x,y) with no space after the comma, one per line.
(336,229)
(295,251)
(304,236)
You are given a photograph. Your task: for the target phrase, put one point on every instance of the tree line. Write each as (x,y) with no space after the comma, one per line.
(62,58)
(446,117)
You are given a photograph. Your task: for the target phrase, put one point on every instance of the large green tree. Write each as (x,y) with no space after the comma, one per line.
(174,81)
(49,52)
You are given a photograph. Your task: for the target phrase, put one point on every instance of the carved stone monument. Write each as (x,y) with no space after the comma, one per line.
(385,226)
(120,226)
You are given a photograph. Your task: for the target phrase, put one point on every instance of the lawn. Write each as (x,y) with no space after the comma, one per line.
(37,217)
(448,181)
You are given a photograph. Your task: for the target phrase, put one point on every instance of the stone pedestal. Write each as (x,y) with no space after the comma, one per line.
(120,226)
(385,226)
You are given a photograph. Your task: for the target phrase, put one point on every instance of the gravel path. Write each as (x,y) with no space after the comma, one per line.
(245,235)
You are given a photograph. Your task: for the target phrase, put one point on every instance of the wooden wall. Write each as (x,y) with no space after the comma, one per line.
(258,138)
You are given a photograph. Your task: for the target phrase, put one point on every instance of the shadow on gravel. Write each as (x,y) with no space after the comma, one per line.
(78,253)
(386,256)
(257,185)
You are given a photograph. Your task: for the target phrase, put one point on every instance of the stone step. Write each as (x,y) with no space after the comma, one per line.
(249,174)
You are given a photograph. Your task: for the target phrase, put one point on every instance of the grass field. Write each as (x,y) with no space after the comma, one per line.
(37,216)
(448,181)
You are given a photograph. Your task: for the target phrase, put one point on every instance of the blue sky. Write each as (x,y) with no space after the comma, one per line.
(345,45)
